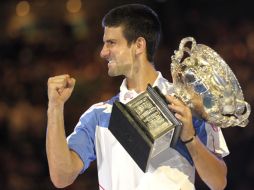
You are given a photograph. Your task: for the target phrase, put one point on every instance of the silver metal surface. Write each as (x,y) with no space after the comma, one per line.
(203,80)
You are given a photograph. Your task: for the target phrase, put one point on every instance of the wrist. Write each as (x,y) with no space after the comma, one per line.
(55,106)
(189,139)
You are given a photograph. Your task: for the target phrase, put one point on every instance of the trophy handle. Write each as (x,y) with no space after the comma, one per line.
(242,120)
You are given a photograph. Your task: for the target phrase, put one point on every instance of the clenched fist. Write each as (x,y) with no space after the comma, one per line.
(60,89)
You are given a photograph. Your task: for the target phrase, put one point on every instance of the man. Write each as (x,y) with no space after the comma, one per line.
(131,37)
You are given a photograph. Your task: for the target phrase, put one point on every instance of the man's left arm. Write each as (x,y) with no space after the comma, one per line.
(211,169)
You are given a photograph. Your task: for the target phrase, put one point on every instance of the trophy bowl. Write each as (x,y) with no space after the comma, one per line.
(204,81)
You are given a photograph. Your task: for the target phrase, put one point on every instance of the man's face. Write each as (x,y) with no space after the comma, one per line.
(116,51)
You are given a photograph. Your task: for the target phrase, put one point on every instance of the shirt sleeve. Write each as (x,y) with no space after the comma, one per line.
(81,140)
(216,141)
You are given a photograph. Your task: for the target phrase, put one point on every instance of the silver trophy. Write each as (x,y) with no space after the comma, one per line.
(203,80)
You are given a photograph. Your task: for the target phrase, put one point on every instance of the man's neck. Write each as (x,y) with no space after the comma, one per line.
(139,80)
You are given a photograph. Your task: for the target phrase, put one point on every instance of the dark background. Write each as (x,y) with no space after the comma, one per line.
(42,38)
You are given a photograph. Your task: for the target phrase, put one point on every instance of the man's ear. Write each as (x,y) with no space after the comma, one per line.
(140,45)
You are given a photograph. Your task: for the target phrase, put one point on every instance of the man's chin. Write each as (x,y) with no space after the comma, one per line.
(114,74)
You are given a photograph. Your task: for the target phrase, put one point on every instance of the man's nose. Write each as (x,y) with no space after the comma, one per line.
(104,52)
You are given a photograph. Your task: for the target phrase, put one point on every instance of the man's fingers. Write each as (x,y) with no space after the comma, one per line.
(61,82)
(178,116)
(60,88)
(71,83)
(176,108)
(174,100)
(58,78)
(61,76)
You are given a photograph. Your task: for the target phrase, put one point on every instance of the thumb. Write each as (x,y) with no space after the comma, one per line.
(71,83)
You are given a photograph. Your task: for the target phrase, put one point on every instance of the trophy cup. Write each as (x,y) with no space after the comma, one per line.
(203,80)
(145,126)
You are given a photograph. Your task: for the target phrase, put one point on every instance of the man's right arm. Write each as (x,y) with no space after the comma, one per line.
(64,164)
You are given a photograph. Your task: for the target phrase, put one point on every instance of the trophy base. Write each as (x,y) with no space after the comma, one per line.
(135,141)
(145,126)
(130,136)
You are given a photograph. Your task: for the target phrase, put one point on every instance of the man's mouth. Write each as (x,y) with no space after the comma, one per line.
(110,63)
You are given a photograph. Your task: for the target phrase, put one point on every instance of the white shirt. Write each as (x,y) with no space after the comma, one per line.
(92,140)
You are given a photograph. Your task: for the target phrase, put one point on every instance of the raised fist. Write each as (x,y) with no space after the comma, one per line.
(60,89)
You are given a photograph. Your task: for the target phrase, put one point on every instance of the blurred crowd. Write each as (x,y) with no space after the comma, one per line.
(50,45)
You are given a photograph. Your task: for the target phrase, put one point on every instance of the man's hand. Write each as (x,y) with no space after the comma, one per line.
(212,170)
(60,89)
(183,113)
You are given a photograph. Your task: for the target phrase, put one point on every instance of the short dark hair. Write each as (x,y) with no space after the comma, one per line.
(137,21)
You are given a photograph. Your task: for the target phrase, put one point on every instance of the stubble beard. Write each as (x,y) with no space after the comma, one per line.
(118,70)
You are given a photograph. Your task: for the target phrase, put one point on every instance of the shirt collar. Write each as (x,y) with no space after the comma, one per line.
(126,95)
